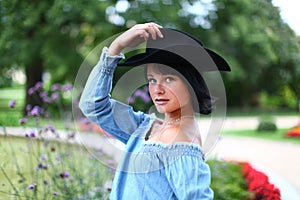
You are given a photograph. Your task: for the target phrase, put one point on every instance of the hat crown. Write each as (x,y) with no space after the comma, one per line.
(172,37)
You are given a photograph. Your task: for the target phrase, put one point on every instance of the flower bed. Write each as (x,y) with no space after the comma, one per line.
(259,184)
(294,132)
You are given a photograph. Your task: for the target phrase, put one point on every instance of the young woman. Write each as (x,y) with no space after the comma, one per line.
(163,158)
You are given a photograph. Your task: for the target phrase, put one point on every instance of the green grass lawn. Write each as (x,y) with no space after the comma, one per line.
(278,135)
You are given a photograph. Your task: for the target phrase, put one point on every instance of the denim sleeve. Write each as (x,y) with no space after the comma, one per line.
(190,178)
(114,117)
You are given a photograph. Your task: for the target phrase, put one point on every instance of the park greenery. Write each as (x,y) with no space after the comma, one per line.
(46,41)
(50,39)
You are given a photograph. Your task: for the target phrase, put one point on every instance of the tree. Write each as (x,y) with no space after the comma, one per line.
(264,51)
(49,35)
(55,36)
(251,36)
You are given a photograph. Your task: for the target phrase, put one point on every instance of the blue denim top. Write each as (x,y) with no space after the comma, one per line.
(148,170)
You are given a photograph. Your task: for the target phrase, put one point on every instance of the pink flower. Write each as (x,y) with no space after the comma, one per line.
(36,111)
(12,103)
(23,120)
(55,87)
(66,87)
(31,187)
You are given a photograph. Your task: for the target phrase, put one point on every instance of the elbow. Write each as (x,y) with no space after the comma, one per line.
(84,106)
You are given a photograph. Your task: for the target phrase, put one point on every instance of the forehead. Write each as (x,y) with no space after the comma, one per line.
(161,69)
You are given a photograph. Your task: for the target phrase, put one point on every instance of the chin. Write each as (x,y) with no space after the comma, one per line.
(163,111)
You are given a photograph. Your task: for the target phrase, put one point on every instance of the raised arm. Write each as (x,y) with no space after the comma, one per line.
(134,36)
(114,117)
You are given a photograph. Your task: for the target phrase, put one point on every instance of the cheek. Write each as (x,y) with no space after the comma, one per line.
(183,95)
(151,91)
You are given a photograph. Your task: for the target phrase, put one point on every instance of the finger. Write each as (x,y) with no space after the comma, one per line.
(153,29)
(144,35)
(154,24)
(152,32)
(158,32)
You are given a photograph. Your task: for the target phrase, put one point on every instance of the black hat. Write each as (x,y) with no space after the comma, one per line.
(187,55)
(178,47)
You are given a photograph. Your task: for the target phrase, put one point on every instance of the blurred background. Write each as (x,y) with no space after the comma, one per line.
(46,41)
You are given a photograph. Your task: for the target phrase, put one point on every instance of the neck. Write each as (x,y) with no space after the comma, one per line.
(178,115)
(171,121)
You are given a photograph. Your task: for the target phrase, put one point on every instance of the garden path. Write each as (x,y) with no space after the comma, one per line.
(279,160)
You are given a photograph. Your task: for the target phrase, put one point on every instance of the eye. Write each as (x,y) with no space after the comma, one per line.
(169,79)
(151,80)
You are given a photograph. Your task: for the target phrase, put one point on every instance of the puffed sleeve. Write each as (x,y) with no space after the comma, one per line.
(114,117)
(190,178)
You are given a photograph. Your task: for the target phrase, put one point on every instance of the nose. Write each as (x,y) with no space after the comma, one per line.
(159,89)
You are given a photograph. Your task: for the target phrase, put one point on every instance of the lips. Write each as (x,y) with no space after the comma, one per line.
(161,101)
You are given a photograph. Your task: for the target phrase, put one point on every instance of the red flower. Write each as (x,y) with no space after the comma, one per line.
(295,132)
(259,184)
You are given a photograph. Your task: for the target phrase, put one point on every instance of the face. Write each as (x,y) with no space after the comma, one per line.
(168,91)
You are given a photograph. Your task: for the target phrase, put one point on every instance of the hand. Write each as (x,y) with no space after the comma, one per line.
(134,36)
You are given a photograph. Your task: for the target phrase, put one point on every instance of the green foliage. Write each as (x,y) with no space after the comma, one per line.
(228,181)
(266,124)
(286,98)
(261,46)
(55,36)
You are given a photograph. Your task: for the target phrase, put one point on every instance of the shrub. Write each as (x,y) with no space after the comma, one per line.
(228,181)
(267,126)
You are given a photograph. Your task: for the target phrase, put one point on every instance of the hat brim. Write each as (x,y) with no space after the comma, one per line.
(169,58)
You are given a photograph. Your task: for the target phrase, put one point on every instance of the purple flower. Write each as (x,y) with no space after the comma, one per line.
(55,193)
(71,135)
(51,128)
(28,107)
(12,103)
(46,100)
(31,187)
(23,120)
(66,87)
(31,90)
(55,87)
(43,158)
(38,85)
(54,96)
(36,111)
(64,175)
(143,95)
(30,134)
(146,89)
(131,99)
(42,166)
(43,94)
